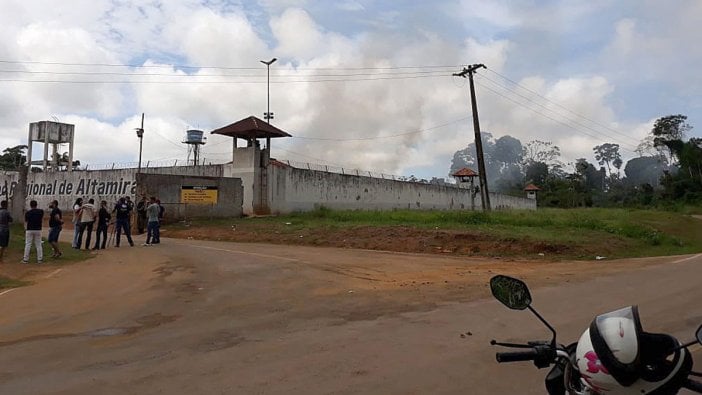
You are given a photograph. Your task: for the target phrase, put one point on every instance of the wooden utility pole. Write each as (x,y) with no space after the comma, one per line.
(484,193)
(140,135)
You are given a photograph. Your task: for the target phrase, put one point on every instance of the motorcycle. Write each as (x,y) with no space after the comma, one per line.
(614,355)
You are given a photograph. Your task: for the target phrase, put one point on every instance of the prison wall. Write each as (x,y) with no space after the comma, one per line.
(293,189)
(107,185)
(227,203)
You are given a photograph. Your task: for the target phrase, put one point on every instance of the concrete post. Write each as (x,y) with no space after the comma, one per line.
(16,204)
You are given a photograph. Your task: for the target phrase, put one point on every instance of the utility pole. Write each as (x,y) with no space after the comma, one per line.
(484,193)
(140,135)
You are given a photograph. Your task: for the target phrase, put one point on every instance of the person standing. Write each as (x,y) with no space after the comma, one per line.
(161,211)
(103,221)
(122,211)
(55,226)
(5,220)
(87,219)
(152,224)
(141,214)
(76,221)
(33,218)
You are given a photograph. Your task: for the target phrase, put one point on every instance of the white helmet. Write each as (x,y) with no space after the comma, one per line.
(615,356)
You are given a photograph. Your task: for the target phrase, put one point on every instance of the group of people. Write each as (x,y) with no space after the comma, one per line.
(86,217)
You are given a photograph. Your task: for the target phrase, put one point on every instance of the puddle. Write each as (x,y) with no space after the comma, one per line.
(111,332)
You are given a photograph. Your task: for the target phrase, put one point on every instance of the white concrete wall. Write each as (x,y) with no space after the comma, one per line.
(8,182)
(107,185)
(247,176)
(293,189)
(289,189)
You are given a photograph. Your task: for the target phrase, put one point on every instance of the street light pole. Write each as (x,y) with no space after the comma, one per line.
(268,115)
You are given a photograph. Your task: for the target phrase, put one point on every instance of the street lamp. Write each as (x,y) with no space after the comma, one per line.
(140,135)
(268,115)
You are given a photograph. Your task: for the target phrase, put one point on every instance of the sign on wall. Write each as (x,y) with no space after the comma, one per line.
(198,194)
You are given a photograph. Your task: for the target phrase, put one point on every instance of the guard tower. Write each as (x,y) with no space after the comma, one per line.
(531,191)
(194,139)
(465,179)
(250,163)
(52,134)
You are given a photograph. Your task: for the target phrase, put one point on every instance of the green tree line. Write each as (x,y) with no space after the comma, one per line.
(666,170)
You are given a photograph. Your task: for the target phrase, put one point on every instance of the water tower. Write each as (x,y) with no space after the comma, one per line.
(194,139)
(52,134)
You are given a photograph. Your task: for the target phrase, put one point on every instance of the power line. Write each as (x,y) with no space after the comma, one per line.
(313,158)
(385,137)
(180,146)
(277,75)
(181,66)
(561,115)
(561,106)
(547,116)
(370,138)
(442,75)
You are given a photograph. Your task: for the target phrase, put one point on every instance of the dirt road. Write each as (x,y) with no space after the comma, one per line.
(206,317)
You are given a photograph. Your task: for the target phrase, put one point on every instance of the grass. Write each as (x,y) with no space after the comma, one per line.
(15,251)
(11,283)
(614,232)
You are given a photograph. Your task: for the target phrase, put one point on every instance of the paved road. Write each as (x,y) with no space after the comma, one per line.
(188,317)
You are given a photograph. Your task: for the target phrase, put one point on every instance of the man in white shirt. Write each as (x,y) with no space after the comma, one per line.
(87,218)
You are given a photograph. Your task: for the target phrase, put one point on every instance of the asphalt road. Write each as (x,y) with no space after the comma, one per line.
(192,317)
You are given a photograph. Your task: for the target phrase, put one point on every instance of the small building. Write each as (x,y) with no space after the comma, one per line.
(465,177)
(531,191)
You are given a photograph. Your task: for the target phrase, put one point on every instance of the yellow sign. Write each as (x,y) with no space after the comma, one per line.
(198,195)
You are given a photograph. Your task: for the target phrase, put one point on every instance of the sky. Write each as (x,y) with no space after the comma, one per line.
(363,84)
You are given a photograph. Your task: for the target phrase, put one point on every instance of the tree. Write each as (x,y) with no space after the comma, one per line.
(691,158)
(606,154)
(13,158)
(507,150)
(541,151)
(644,170)
(63,162)
(590,178)
(503,162)
(536,172)
(669,132)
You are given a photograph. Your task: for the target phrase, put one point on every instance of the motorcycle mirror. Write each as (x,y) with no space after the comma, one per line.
(511,292)
(698,334)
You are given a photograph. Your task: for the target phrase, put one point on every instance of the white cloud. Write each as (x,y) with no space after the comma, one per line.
(169,34)
(350,5)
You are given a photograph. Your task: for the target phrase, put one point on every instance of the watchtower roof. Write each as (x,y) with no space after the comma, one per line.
(251,128)
(465,172)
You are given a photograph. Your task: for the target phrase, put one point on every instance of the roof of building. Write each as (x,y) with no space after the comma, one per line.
(277,163)
(465,172)
(251,128)
(531,187)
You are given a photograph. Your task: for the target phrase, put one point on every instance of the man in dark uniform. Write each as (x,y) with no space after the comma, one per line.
(123,211)
(141,214)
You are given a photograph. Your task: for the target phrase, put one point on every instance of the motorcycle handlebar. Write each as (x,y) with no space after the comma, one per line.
(516,356)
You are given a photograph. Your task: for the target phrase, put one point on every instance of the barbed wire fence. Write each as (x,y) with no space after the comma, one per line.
(146,165)
(362,173)
(292,163)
